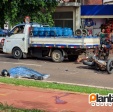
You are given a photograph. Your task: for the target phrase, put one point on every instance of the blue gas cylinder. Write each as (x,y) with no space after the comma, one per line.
(70,31)
(53,31)
(41,31)
(35,31)
(58,31)
(47,31)
(65,32)
(79,36)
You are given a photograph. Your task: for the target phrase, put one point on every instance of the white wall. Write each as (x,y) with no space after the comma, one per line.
(98,22)
(97,25)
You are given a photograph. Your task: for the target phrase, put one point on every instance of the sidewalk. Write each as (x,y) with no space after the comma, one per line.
(44,99)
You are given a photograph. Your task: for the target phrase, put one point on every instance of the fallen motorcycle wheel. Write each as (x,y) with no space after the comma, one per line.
(110,66)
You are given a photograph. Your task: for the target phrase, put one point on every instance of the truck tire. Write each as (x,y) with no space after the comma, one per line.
(57,56)
(72,57)
(17,53)
(110,66)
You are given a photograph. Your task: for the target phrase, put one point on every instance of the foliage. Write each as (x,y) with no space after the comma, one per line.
(15,11)
(9,108)
(66,87)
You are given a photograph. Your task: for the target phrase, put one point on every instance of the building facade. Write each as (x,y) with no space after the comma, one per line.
(107,1)
(67,14)
(97,15)
(92,2)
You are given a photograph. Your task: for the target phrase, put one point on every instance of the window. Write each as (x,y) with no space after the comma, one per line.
(63,15)
(63,19)
(17,29)
(64,23)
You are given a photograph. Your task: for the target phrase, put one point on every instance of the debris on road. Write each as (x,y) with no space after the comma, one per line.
(24,72)
(100,64)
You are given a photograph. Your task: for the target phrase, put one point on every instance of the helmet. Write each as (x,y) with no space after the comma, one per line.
(5,73)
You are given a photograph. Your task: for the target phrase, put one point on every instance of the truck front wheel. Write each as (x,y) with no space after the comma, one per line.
(17,53)
(57,56)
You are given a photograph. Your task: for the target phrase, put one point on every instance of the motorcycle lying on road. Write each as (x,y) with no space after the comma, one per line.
(100,64)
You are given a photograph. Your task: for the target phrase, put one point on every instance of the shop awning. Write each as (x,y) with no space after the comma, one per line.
(97,11)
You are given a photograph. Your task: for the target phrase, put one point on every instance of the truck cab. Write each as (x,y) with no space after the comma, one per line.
(17,41)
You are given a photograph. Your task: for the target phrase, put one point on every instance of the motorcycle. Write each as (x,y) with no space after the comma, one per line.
(100,64)
(103,51)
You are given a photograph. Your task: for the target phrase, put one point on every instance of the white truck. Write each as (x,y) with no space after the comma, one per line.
(24,44)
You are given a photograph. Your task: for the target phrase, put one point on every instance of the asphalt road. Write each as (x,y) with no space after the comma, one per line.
(66,72)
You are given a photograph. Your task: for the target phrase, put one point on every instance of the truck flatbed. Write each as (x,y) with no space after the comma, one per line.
(64,42)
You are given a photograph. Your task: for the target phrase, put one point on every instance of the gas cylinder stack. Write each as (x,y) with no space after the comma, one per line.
(52,32)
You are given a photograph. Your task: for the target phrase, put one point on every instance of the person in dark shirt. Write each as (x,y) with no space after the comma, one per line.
(111,38)
(102,36)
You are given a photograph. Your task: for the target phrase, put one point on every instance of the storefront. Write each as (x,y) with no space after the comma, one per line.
(97,17)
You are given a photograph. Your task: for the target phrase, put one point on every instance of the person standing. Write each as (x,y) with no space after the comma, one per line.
(111,38)
(102,36)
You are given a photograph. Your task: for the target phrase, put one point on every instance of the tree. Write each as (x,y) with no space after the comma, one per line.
(2,20)
(40,11)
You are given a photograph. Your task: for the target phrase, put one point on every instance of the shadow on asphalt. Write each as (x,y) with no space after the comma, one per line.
(102,72)
(48,59)
(5,55)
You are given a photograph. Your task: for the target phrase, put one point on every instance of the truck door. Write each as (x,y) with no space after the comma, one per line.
(16,38)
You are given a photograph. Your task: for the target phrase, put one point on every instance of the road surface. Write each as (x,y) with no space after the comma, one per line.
(65,72)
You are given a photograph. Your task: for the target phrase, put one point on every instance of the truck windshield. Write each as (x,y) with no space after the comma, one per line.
(17,29)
